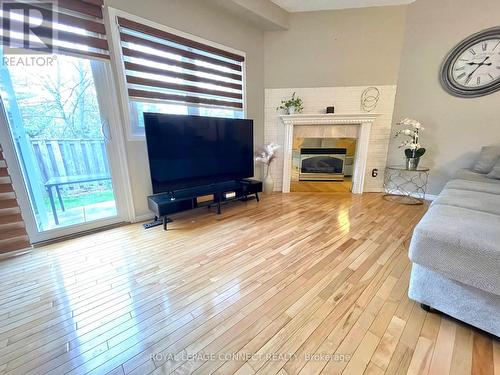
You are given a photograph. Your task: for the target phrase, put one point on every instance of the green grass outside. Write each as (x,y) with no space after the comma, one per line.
(74,201)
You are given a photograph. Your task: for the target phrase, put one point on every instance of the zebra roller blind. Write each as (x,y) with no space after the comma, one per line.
(65,26)
(164,66)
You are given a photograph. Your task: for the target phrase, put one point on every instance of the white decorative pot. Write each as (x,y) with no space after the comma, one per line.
(291,110)
(268,185)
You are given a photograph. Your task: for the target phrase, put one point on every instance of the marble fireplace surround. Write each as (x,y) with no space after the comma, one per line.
(352,125)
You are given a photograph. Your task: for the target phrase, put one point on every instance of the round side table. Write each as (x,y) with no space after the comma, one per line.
(405,186)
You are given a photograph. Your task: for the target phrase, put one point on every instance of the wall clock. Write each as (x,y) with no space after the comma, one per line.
(472,68)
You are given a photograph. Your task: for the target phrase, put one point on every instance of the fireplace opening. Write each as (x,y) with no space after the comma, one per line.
(322,164)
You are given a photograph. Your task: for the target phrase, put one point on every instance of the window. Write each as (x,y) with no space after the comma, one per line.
(168,73)
(52,104)
(137,109)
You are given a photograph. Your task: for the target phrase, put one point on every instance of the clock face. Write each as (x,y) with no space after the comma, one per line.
(473,67)
(479,65)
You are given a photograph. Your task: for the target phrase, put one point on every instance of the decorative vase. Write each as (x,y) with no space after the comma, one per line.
(291,110)
(268,184)
(412,163)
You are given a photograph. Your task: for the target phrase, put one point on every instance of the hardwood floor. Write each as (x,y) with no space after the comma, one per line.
(295,284)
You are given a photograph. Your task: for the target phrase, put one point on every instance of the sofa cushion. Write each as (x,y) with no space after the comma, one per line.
(467,174)
(495,172)
(460,243)
(474,200)
(485,187)
(487,159)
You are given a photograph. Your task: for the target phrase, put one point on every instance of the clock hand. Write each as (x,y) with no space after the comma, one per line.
(480,64)
(474,71)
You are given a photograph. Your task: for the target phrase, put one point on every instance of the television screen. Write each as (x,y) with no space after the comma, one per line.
(186,151)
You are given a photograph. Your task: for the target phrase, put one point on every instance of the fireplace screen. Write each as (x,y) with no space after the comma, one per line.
(322,164)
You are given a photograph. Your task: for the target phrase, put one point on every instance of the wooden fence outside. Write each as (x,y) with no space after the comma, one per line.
(70,157)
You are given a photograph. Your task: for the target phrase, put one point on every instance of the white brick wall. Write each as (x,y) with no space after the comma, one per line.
(345,100)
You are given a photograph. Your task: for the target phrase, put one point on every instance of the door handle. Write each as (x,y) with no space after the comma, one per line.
(105,131)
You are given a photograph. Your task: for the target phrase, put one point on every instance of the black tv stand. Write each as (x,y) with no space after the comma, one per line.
(171,202)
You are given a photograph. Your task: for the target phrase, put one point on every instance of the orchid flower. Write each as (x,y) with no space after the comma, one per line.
(413,133)
(267,153)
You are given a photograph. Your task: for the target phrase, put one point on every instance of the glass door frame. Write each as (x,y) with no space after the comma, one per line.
(117,160)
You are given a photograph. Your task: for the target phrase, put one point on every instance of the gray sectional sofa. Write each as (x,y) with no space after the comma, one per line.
(455,251)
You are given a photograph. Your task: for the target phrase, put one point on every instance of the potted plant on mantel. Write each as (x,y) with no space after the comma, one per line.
(413,151)
(292,105)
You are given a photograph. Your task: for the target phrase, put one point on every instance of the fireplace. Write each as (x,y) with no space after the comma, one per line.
(322,164)
(353,125)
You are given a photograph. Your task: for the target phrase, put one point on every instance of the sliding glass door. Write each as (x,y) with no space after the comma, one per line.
(59,130)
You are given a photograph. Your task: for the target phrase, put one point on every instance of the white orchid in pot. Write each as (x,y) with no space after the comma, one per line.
(413,150)
(265,155)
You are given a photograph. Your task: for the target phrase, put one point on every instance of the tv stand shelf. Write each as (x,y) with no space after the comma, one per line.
(168,203)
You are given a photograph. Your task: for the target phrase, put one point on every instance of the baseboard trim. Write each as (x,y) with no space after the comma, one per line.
(79,234)
(428,197)
(15,253)
(144,217)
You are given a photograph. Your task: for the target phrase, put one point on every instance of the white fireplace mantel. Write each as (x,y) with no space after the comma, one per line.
(364,123)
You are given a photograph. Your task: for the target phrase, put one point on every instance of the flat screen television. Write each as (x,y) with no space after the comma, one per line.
(187,151)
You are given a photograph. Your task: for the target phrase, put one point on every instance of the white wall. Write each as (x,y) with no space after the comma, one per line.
(340,48)
(455,128)
(213,23)
(345,100)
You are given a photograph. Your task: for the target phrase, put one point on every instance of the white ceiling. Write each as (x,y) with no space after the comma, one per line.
(313,5)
